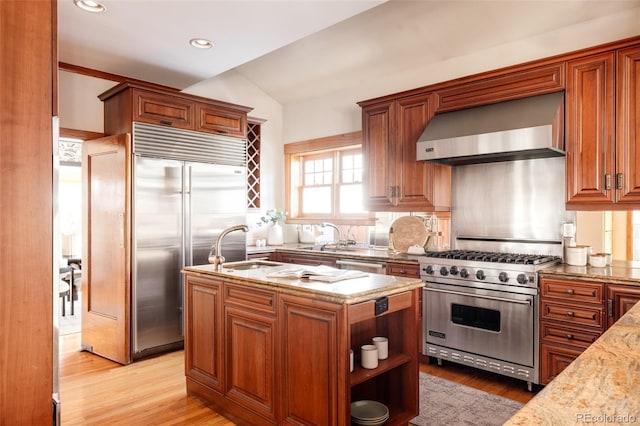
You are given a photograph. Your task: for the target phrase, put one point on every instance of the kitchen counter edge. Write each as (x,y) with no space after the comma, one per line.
(348,291)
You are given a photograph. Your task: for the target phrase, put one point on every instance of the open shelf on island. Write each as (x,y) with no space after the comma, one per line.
(360,374)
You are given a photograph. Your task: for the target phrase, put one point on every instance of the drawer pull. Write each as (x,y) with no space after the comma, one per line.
(570,291)
(166,122)
(570,336)
(570,314)
(402,271)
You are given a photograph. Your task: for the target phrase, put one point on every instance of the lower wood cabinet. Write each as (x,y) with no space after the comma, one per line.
(573,314)
(306,259)
(620,298)
(262,357)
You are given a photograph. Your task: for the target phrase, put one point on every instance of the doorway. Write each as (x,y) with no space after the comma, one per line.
(70,229)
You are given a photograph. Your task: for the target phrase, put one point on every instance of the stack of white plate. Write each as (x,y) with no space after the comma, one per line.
(369,413)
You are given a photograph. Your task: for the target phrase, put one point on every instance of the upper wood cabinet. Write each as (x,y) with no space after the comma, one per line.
(395,181)
(488,89)
(128,102)
(601,131)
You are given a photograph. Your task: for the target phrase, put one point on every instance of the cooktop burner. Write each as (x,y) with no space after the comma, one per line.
(496,257)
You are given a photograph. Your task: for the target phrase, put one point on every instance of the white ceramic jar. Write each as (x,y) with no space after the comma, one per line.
(577,256)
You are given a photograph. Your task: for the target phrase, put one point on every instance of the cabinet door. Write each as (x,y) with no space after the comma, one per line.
(620,299)
(165,110)
(628,122)
(251,360)
(378,143)
(203,345)
(220,120)
(554,359)
(414,179)
(106,260)
(313,382)
(590,130)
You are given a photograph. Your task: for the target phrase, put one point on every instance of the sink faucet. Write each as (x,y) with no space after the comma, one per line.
(331,225)
(218,259)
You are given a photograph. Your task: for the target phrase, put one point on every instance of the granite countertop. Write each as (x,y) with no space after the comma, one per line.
(349,291)
(601,386)
(380,254)
(619,272)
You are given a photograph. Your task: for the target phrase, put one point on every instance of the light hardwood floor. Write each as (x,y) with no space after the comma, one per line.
(96,391)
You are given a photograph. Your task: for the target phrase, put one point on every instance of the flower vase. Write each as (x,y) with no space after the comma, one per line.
(275,236)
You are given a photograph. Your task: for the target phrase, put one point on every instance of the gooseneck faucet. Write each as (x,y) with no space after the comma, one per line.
(331,225)
(218,259)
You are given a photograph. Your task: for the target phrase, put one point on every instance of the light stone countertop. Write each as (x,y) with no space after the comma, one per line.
(619,272)
(601,386)
(348,291)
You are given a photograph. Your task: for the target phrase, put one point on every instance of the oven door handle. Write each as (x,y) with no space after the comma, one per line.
(481,296)
(363,264)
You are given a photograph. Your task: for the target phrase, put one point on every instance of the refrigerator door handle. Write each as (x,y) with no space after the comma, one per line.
(186,215)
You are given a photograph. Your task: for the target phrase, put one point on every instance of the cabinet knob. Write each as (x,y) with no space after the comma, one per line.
(607,182)
(570,291)
(570,336)
(402,271)
(570,314)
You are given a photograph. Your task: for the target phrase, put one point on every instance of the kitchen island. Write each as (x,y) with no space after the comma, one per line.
(263,350)
(601,386)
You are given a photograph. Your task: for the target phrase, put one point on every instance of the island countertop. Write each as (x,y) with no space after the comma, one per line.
(349,291)
(602,385)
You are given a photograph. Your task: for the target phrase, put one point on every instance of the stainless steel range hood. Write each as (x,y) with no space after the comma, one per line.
(513,130)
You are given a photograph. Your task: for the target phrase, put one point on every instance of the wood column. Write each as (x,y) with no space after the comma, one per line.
(27,57)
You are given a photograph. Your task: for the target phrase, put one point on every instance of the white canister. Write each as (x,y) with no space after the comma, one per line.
(382,344)
(577,256)
(369,356)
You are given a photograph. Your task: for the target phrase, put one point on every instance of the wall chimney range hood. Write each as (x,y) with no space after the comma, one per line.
(521,129)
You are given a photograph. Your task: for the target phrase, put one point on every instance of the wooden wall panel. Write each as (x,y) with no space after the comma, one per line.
(27,34)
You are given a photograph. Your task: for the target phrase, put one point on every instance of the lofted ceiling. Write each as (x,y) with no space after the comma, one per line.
(299,49)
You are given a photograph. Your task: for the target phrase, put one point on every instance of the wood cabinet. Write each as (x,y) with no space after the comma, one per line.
(403,269)
(306,259)
(394,179)
(128,102)
(601,130)
(572,316)
(502,87)
(620,298)
(286,357)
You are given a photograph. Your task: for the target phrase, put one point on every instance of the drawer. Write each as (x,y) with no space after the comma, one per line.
(403,270)
(572,291)
(155,108)
(261,300)
(573,314)
(564,335)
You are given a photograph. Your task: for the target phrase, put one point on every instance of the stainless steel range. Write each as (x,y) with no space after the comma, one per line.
(481,310)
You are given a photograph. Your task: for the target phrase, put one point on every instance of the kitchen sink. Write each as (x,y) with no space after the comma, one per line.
(251,264)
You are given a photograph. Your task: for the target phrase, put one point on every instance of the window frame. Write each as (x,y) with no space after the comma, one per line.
(294,153)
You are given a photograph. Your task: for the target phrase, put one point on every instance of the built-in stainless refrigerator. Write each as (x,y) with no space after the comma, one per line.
(179,209)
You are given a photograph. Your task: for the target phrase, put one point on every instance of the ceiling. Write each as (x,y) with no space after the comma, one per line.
(298,49)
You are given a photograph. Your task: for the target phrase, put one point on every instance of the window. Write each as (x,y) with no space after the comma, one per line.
(324,181)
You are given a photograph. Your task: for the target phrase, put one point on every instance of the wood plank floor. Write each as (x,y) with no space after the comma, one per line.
(96,391)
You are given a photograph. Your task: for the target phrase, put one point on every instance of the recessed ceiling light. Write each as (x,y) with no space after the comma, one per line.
(201,43)
(90,6)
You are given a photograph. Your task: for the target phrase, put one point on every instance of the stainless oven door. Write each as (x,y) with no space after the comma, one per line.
(485,322)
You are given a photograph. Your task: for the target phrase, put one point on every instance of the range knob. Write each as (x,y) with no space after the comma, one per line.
(453,270)
(429,269)
(444,271)
(522,279)
(464,273)
(503,277)
(480,275)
